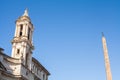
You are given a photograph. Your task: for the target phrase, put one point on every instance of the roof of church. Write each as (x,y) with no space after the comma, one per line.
(40,65)
(33,59)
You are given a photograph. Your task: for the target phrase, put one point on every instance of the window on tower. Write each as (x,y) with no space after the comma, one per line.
(21,29)
(26,62)
(18,51)
(43,76)
(28,33)
(20,34)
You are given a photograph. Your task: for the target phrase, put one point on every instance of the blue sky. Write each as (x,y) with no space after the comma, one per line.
(67,35)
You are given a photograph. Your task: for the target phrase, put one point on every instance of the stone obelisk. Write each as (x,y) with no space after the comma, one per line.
(106,58)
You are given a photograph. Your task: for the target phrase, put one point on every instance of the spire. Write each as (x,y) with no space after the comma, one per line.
(26,12)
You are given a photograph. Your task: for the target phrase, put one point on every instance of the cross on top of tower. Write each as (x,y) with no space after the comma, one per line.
(26,12)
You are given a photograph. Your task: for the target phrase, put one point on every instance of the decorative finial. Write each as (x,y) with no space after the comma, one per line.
(26,12)
(102,34)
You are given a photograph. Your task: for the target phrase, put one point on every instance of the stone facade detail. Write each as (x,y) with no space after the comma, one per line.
(21,65)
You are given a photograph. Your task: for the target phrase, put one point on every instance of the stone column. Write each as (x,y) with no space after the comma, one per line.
(106,58)
(24,30)
(27,27)
(16,29)
(13,50)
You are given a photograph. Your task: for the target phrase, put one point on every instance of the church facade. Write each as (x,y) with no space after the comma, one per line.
(21,65)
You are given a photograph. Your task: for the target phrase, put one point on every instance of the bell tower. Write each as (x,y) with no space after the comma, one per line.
(22,42)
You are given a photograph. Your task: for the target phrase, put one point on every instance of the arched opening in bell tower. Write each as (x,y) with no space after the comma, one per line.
(21,29)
